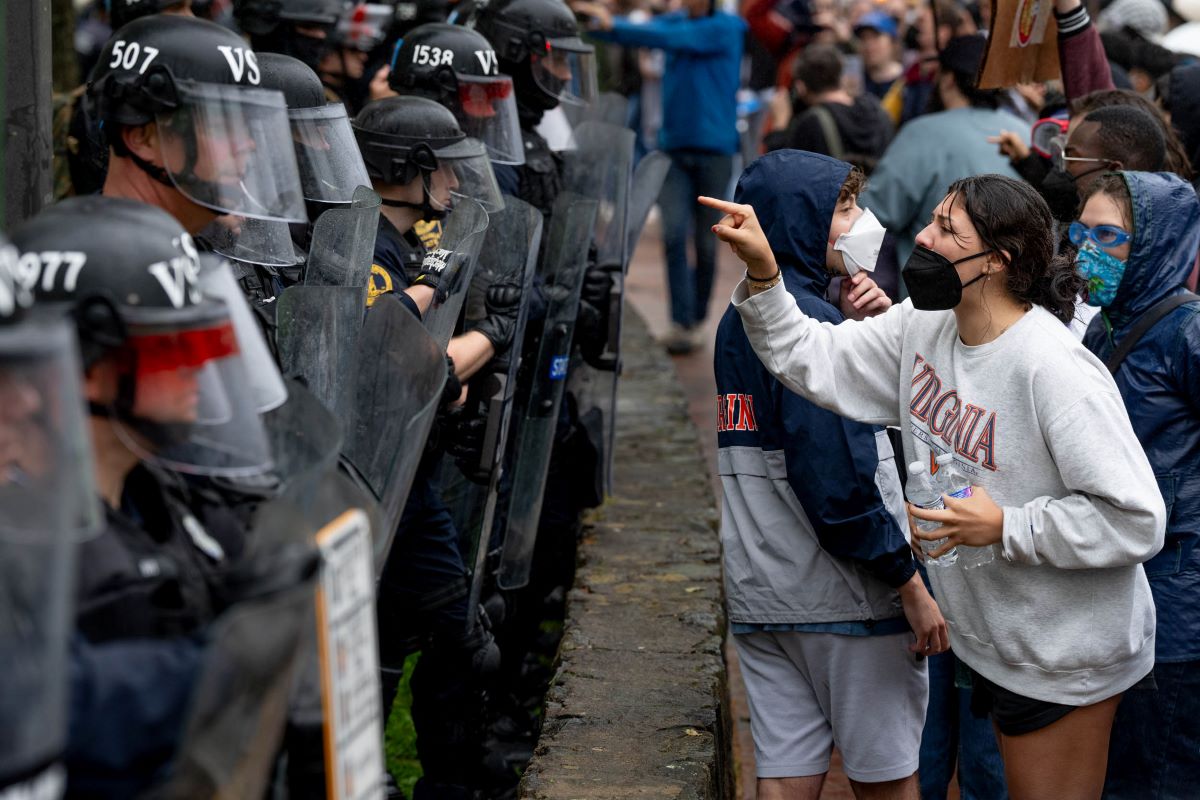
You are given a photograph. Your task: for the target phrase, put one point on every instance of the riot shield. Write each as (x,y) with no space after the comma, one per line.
(239,705)
(266,384)
(606,179)
(48,502)
(512,244)
(458,250)
(563,265)
(609,107)
(397,386)
(317,334)
(343,244)
(597,388)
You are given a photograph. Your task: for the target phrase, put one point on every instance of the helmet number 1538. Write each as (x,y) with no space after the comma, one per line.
(433,56)
(126,54)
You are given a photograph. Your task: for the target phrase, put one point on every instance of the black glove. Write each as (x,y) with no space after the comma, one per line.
(592,323)
(453,388)
(503,305)
(433,269)
(465,444)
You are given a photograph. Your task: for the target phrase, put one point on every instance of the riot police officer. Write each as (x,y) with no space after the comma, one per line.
(538,44)
(48,505)
(297,28)
(419,160)
(188,127)
(167,393)
(458,68)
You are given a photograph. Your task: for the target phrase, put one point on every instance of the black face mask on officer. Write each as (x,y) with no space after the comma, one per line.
(933,282)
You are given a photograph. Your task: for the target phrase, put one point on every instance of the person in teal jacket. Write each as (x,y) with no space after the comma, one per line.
(703,49)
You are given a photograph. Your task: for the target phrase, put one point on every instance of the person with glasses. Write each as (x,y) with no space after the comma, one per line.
(1137,239)
(1107,139)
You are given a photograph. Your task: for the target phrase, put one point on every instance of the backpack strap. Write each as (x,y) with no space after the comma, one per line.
(829,128)
(1144,323)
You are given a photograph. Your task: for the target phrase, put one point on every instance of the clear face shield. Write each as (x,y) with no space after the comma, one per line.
(229,148)
(331,167)
(48,503)
(265,242)
(566,69)
(464,171)
(487,112)
(194,405)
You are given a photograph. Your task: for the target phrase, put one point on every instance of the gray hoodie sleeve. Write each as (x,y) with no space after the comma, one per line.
(852,368)
(1114,515)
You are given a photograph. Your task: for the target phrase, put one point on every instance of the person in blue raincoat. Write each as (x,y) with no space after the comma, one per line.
(823,594)
(1137,236)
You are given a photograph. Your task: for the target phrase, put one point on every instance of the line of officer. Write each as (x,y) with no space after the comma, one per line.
(419,159)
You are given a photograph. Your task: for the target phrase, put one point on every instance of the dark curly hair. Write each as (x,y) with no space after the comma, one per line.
(1011,216)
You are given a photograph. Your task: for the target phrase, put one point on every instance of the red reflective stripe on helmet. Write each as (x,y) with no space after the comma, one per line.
(159,352)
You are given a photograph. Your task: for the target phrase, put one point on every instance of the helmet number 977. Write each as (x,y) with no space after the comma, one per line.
(433,56)
(126,54)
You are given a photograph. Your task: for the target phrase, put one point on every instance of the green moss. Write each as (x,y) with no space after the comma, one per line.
(400,738)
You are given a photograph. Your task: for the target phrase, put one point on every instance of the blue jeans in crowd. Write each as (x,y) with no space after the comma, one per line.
(692,173)
(953,736)
(1154,753)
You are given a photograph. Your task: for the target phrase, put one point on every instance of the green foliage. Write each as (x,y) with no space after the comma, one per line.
(400,738)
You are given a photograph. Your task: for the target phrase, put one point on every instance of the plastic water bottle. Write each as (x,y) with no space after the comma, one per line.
(923,493)
(950,481)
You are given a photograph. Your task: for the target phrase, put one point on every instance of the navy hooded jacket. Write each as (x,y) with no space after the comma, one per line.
(777,449)
(1160,383)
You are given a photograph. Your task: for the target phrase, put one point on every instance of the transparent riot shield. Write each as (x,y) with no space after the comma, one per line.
(511,249)
(317,334)
(265,640)
(457,253)
(563,265)
(48,503)
(266,384)
(606,179)
(609,107)
(397,386)
(343,244)
(239,705)
(598,386)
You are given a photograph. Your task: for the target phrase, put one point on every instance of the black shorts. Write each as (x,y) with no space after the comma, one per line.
(1014,714)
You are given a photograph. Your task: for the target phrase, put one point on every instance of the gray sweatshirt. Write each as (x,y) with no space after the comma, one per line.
(1065,613)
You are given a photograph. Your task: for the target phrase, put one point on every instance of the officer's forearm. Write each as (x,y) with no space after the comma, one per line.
(470,352)
(422,296)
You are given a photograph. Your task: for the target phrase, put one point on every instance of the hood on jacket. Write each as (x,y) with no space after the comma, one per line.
(794,194)
(1166,235)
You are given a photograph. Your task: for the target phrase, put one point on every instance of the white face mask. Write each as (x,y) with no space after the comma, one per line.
(860,245)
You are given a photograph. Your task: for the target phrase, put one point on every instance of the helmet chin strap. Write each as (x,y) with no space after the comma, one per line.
(428,212)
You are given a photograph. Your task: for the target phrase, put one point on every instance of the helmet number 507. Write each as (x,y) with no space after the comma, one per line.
(125,55)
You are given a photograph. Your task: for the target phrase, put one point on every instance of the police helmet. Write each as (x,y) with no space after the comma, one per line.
(331,167)
(538,44)
(329,162)
(223,140)
(129,276)
(405,138)
(458,68)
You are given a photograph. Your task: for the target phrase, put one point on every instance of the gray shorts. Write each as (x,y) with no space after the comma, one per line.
(810,691)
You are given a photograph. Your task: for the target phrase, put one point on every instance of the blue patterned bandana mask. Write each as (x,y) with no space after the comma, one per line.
(1102,271)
